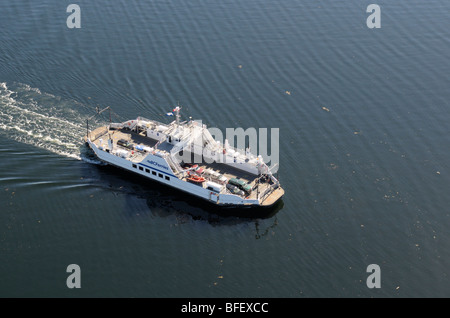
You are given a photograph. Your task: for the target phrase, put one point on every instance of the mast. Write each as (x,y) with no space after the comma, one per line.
(95,115)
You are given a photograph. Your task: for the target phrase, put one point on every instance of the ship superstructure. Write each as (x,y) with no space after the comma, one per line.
(185,156)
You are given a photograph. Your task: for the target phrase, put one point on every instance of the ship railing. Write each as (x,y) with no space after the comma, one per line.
(267,192)
(179,147)
(174,164)
(209,138)
(270,174)
(132,123)
(160,141)
(140,118)
(175,150)
(239,153)
(100,133)
(94,116)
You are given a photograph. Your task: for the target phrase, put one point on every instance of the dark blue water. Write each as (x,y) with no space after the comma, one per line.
(364,147)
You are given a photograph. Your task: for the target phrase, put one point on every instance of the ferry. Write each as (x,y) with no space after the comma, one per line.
(224,176)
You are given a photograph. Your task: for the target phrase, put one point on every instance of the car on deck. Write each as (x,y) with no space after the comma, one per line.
(241,184)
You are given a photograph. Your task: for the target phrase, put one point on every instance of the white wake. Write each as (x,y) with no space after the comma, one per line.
(43,120)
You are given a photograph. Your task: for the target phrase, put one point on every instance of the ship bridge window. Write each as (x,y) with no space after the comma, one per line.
(147,170)
(160,175)
(154,173)
(141,168)
(167,178)
(134,166)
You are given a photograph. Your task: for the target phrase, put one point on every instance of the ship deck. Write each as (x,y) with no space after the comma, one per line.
(100,136)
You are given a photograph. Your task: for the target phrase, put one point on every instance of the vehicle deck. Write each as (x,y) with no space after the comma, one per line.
(101,135)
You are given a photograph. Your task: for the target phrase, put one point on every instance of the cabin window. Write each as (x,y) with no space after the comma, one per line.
(160,175)
(154,173)
(147,170)
(134,166)
(141,168)
(167,178)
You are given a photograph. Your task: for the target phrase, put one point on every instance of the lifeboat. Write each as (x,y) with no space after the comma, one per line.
(195,178)
(190,166)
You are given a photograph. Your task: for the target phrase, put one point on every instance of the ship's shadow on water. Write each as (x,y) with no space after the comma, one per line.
(164,201)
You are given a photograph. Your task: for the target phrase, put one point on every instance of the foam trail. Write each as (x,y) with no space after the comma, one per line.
(43,120)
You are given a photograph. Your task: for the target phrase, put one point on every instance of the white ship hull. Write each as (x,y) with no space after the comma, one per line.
(162,168)
(149,148)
